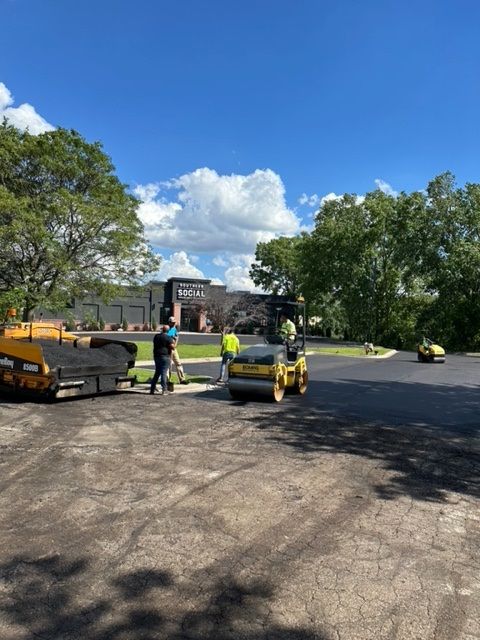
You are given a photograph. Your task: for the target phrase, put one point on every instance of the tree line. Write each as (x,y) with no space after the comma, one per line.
(387,268)
(68,226)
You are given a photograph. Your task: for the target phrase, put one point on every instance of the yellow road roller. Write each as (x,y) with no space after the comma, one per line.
(40,359)
(269,370)
(428,351)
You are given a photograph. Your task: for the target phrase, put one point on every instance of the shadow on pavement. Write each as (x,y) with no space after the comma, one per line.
(51,598)
(429,441)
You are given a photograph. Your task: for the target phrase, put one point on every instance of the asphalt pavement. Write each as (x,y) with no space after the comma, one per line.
(194,517)
(396,390)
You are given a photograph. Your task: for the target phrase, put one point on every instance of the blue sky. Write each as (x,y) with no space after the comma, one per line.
(242,107)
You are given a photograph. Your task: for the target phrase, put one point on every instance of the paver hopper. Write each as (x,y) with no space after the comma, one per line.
(42,360)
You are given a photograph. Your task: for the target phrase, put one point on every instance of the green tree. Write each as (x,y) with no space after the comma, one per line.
(12,299)
(452,262)
(356,256)
(68,227)
(277,267)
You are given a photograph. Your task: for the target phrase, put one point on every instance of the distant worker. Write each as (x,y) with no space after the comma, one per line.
(163,346)
(287,329)
(230,348)
(173,333)
(368,346)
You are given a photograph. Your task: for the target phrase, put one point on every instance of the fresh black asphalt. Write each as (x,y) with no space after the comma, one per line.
(397,390)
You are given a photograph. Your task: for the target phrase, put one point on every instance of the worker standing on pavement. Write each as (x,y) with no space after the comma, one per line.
(162,349)
(287,329)
(173,333)
(230,348)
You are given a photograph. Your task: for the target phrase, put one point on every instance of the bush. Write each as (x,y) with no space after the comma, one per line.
(154,325)
(70,322)
(137,327)
(101,324)
(90,323)
(125,324)
(146,326)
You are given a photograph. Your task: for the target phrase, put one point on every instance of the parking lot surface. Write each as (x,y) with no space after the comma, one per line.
(349,514)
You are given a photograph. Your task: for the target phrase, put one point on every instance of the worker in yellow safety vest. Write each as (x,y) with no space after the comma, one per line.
(230,348)
(287,329)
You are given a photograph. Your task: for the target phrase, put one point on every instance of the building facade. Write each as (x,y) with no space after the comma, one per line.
(196,304)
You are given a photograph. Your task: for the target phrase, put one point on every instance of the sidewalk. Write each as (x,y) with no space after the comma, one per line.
(192,387)
(151,363)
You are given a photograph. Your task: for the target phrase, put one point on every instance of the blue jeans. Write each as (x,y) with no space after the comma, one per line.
(227,356)
(162,366)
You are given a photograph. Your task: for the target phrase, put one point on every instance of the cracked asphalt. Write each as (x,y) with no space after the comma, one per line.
(194,517)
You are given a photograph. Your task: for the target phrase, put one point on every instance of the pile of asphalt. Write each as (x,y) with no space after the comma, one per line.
(66,355)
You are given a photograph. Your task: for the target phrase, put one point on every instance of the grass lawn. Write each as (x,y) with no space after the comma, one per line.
(145,375)
(145,350)
(185,351)
(346,351)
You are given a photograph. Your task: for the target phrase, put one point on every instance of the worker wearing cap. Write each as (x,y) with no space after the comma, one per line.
(162,348)
(173,333)
(230,348)
(287,329)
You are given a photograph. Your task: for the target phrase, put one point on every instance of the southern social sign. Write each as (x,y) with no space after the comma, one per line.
(190,291)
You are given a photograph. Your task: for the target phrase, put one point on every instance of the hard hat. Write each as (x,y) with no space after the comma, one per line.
(171,319)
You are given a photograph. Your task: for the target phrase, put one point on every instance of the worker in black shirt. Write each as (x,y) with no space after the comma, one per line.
(163,346)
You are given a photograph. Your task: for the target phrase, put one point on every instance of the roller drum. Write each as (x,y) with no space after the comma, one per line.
(250,388)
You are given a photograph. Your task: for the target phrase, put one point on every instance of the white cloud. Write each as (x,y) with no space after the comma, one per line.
(147,192)
(333,196)
(218,261)
(5,97)
(178,265)
(22,117)
(311,201)
(237,274)
(212,212)
(329,197)
(385,187)
(380,184)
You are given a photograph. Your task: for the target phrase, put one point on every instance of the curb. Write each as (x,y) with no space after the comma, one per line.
(389,354)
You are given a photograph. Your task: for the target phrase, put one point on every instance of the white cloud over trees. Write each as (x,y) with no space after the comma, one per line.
(22,117)
(179,264)
(385,187)
(237,276)
(207,213)
(212,213)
